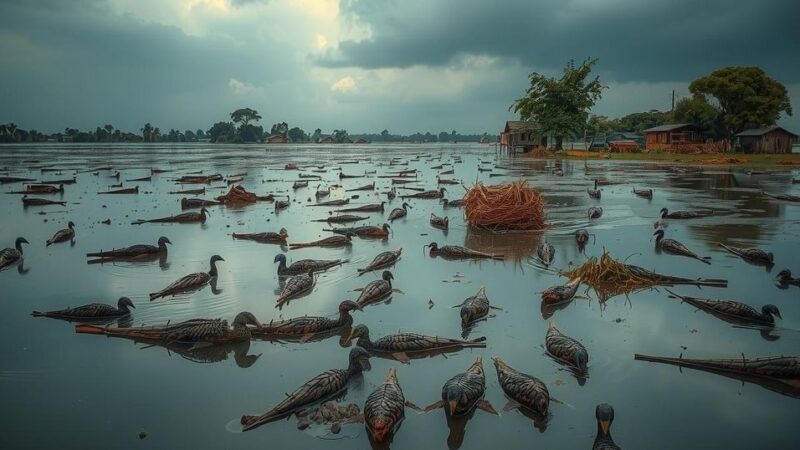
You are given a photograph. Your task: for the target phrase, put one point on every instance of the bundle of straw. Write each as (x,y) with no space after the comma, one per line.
(514,206)
(609,277)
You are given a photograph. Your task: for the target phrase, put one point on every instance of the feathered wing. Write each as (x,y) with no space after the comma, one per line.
(374,291)
(412,342)
(134,250)
(189,282)
(92,310)
(297,326)
(8,256)
(563,347)
(385,407)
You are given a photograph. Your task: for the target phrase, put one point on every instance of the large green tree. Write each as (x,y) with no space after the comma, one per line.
(244,116)
(747,97)
(222,132)
(561,105)
(297,134)
(640,121)
(697,111)
(280,128)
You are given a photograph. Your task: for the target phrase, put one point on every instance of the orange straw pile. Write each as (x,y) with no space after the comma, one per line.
(514,206)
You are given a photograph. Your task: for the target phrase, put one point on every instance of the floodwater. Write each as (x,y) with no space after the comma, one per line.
(62,389)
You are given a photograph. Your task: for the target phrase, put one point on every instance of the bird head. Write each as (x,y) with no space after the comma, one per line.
(605,416)
(125,302)
(348,305)
(358,331)
(771,310)
(164,240)
(387,276)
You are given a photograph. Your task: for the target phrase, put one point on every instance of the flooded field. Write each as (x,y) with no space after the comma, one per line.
(73,390)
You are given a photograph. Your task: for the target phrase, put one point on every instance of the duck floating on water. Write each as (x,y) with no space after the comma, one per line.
(329,384)
(296,286)
(384,409)
(92,311)
(193,331)
(132,253)
(9,256)
(676,248)
(404,346)
(561,294)
(582,238)
(382,261)
(342,218)
(753,255)
(442,223)
(63,235)
(604,414)
(307,327)
(594,193)
(457,203)
(644,193)
(464,392)
(784,277)
(427,194)
(366,231)
(375,207)
(731,311)
(545,252)
(187,217)
(392,193)
(665,214)
(458,252)
(304,265)
(524,391)
(268,237)
(475,308)
(331,241)
(191,282)
(282,204)
(566,349)
(376,291)
(399,213)
(595,212)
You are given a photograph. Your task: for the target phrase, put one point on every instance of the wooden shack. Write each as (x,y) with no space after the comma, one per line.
(277,139)
(772,139)
(666,137)
(522,134)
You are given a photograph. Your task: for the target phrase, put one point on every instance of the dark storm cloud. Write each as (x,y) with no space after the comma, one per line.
(634,39)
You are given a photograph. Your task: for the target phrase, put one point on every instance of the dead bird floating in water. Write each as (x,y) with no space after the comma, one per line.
(342,218)
(442,223)
(545,252)
(383,260)
(187,217)
(644,193)
(332,241)
(784,197)
(464,392)
(384,409)
(328,384)
(523,391)
(665,214)
(191,282)
(131,253)
(296,286)
(63,235)
(475,308)
(9,256)
(405,346)
(676,248)
(753,255)
(264,237)
(566,349)
(427,194)
(375,207)
(604,414)
(92,311)
(190,332)
(365,231)
(133,190)
(561,294)
(731,311)
(304,265)
(307,327)
(458,252)
(399,213)
(31,201)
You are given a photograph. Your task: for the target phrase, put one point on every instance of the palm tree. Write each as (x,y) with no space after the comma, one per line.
(147,132)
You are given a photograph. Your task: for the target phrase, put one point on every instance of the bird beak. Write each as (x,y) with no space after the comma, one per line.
(605,425)
(358,307)
(451,406)
(349,339)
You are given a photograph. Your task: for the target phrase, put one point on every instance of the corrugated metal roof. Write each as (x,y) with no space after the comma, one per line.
(668,127)
(762,131)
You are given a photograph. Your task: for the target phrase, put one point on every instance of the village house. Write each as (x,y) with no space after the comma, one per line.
(277,139)
(522,134)
(772,139)
(665,137)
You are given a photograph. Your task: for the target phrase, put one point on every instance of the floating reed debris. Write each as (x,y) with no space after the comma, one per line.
(513,206)
(609,277)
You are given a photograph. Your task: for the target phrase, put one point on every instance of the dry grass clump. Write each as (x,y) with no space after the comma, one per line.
(513,206)
(609,277)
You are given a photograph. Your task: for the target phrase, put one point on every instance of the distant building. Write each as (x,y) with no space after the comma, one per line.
(625,136)
(277,139)
(522,134)
(772,139)
(361,141)
(666,136)
(325,139)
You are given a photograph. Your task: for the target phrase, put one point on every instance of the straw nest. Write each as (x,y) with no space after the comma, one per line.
(237,194)
(513,206)
(609,277)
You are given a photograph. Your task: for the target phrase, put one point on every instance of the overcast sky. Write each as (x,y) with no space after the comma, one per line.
(366,65)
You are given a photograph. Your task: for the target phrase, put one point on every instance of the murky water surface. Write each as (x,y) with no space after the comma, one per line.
(84,391)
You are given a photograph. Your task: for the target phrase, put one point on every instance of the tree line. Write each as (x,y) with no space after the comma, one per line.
(723,103)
